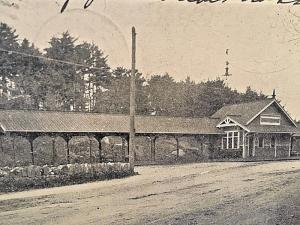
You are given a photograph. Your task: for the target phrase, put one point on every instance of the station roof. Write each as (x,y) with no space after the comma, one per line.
(30,121)
(245,113)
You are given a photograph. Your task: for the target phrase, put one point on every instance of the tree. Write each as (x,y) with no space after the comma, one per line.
(115,99)
(251,95)
(81,79)
(70,88)
(96,76)
(8,61)
(30,74)
(163,95)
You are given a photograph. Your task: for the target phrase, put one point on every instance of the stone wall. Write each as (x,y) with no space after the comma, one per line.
(27,177)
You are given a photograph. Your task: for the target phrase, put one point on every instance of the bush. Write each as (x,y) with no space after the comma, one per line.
(23,178)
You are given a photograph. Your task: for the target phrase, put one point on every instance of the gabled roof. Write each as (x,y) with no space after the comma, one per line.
(245,113)
(228,121)
(53,121)
(242,112)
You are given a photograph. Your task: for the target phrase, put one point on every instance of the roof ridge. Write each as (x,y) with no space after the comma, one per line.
(99,113)
(69,112)
(243,103)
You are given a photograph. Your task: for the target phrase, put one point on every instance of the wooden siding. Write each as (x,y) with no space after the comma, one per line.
(273,109)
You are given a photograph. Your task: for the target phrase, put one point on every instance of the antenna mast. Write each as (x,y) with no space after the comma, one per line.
(227,74)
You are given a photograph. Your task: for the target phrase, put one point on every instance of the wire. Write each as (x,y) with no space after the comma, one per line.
(72,63)
(49,59)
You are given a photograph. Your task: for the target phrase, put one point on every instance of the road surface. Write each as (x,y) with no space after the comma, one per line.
(204,193)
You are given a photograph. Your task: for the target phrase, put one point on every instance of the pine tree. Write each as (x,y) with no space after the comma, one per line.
(8,61)
(69,89)
(115,99)
(96,75)
(29,78)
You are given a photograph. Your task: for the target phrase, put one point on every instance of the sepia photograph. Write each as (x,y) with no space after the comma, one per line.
(140,112)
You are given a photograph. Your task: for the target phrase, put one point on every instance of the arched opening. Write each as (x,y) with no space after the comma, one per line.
(114,149)
(83,149)
(49,150)
(143,149)
(42,149)
(59,150)
(192,148)
(166,149)
(14,151)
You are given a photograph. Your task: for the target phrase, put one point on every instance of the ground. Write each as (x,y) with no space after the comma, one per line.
(204,193)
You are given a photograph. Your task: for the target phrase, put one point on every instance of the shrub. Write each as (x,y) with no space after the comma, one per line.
(22,178)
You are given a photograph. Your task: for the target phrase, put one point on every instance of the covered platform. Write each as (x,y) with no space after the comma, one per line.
(31,125)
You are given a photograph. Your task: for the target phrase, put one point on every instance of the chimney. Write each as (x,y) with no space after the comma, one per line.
(274,94)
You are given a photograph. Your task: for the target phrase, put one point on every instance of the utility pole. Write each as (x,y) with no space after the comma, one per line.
(132,104)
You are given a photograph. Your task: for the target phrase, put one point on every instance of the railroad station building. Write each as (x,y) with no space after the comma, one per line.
(259,129)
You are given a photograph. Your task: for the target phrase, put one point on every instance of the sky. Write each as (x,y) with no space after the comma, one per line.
(180,38)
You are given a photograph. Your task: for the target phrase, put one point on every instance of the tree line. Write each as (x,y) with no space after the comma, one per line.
(73,76)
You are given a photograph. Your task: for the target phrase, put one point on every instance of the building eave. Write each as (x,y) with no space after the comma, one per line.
(236,123)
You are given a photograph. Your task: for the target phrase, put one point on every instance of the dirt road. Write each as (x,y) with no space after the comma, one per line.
(207,193)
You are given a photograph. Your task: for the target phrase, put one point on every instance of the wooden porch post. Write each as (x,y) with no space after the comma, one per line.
(1,142)
(53,151)
(31,138)
(275,147)
(31,151)
(128,148)
(13,147)
(68,150)
(123,148)
(99,138)
(152,147)
(67,137)
(291,145)
(90,147)
(254,141)
(177,147)
(245,155)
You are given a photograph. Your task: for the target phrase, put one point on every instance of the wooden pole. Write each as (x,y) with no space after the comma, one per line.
(253,149)
(123,149)
(99,138)
(244,146)
(291,145)
(68,149)
(177,147)
(132,103)
(13,148)
(53,151)
(31,149)
(275,149)
(90,148)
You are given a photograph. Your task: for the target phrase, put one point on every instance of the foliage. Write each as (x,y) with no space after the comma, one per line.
(115,99)
(79,78)
(33,177)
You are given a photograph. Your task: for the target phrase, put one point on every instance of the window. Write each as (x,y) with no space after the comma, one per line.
(231,141)
(270,119)
(224,142)
(260,142)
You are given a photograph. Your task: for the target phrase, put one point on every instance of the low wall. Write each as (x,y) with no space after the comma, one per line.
(28,177)
(217,153)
